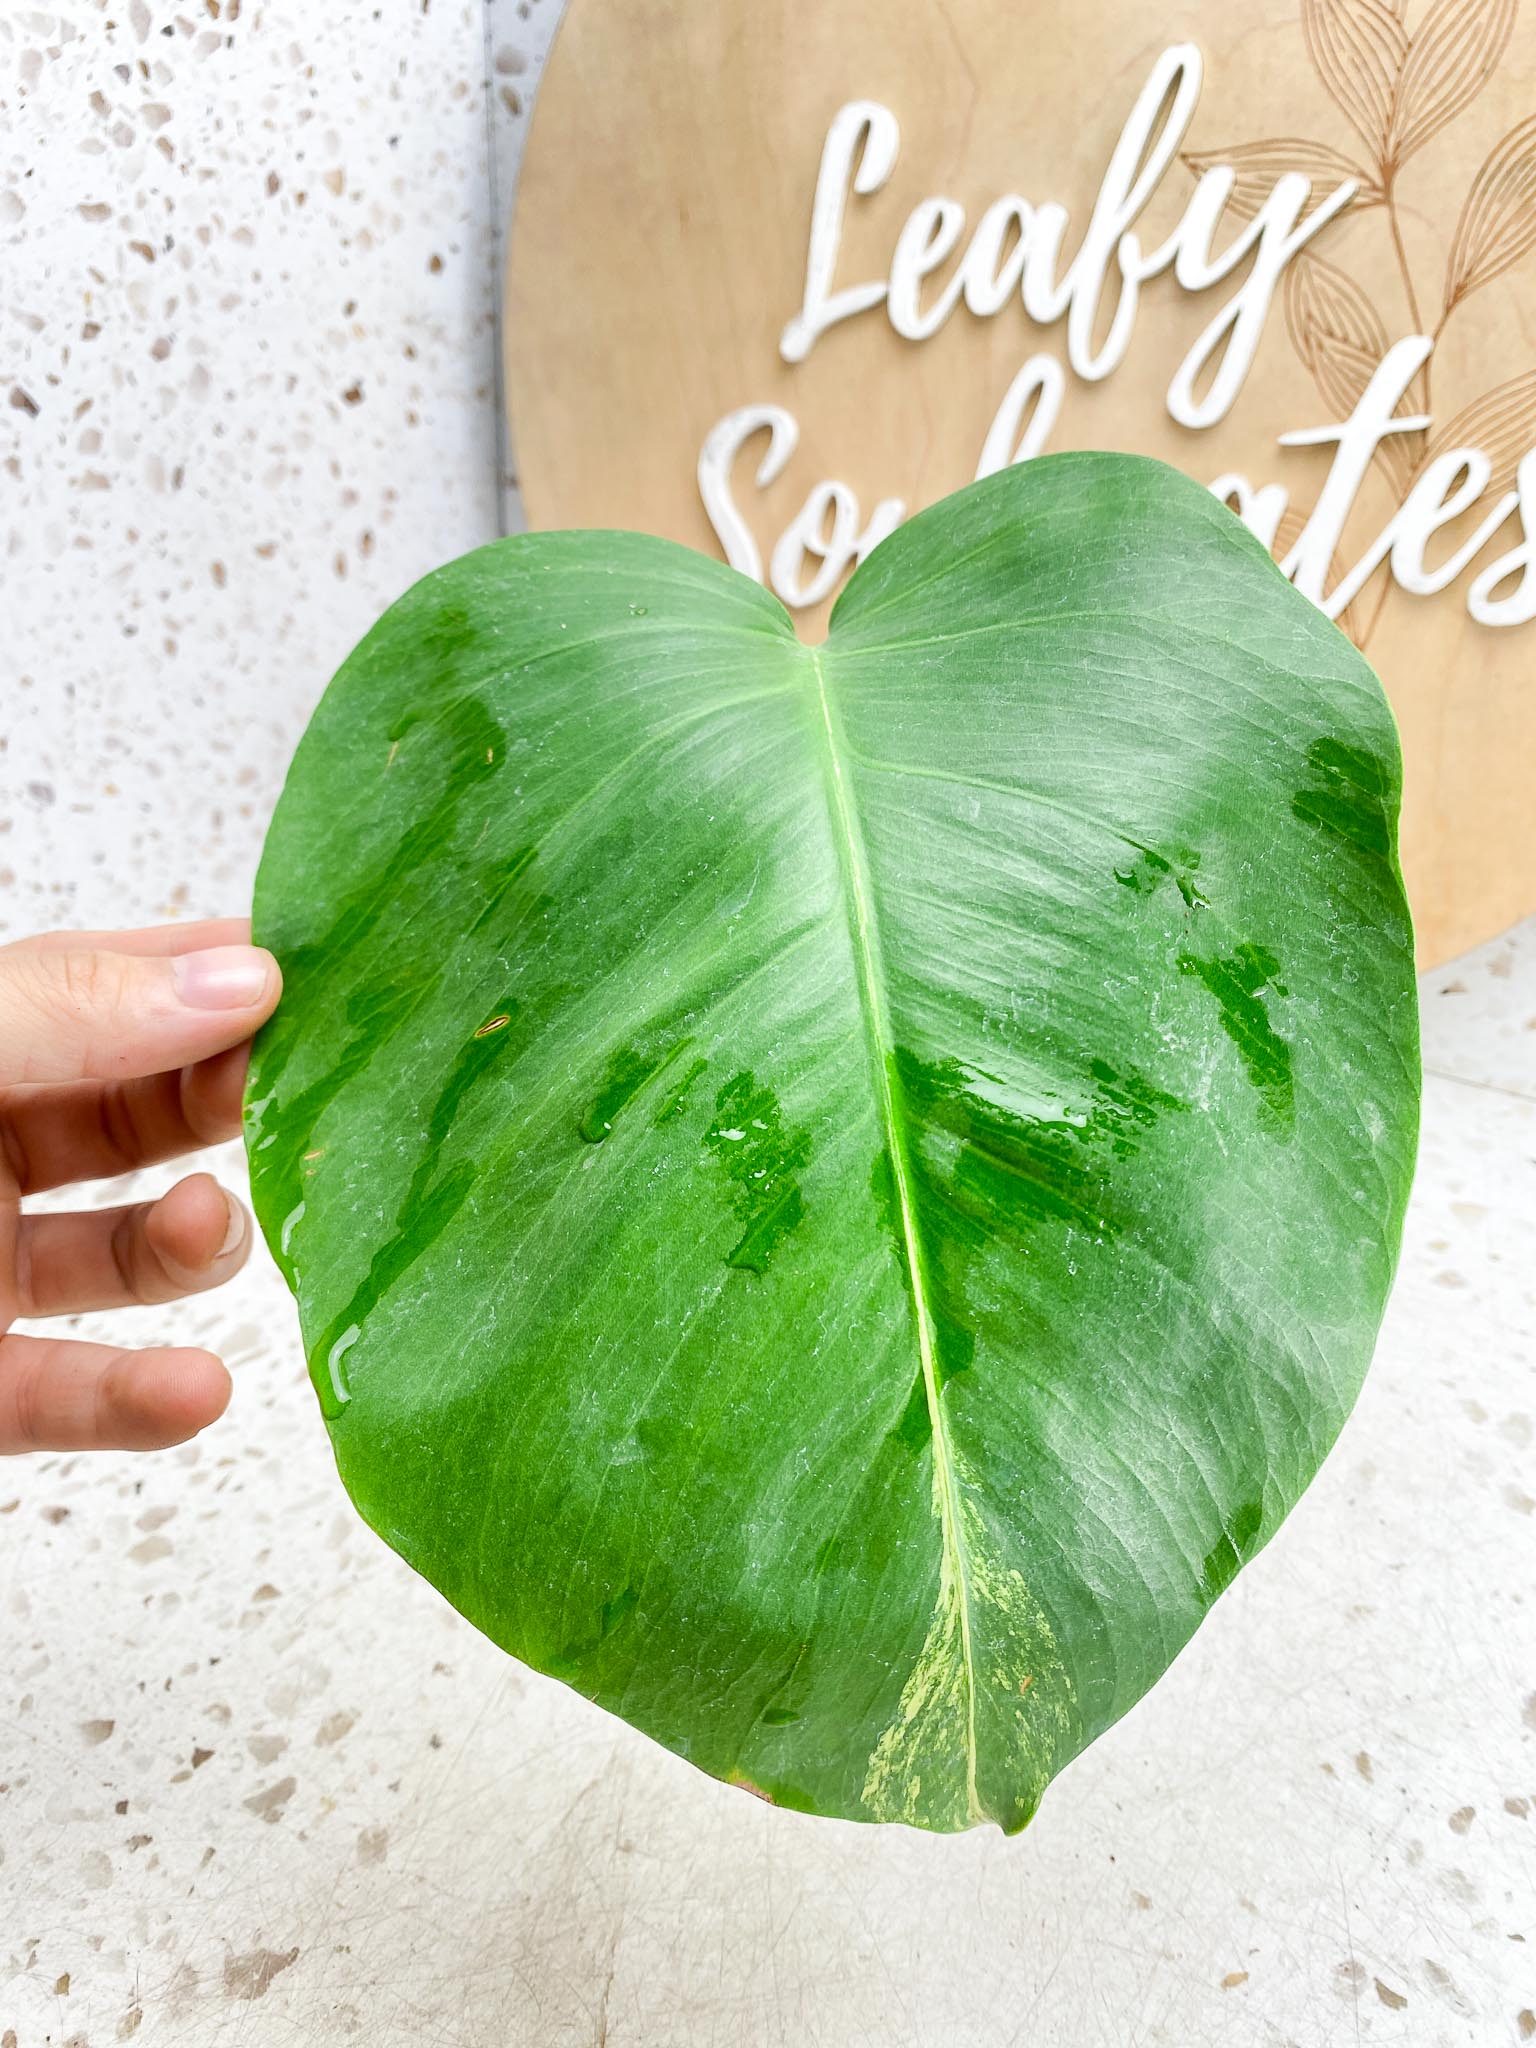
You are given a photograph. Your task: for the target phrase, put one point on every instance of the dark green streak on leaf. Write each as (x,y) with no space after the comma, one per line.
(1150,868)
(1144,873)
(566,1662)
(443,636)
(1227,1556)
(626,1074)
(1012,1175)
(631,1069)
(500,882)
(470,733)
(628,1071)
(380,1007)
(373,1017)
(677,1098)
(1124,1104)
(1352,794)
(761,1155)
(915,1427)
(1027,1170)
(431,1202)
(615,1610)
(1238,983)
(777,1710)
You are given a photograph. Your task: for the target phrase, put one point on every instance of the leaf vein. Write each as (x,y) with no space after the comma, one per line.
(877,1022)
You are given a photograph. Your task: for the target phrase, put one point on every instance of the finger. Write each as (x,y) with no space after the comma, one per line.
(68,1015)
(161,939)
(193,1238)
(92,1129)
(60,1396)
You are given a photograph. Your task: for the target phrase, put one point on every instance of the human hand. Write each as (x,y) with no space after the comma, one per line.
(118,1049)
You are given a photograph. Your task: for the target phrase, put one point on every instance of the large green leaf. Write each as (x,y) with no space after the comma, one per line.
(836,1196)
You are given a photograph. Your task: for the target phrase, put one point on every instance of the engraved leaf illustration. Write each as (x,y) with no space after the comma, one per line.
(1293,523)
(1257,165)
(1339,336)
(1359,48)
(1449,61)
(1498,222)
(1502,423)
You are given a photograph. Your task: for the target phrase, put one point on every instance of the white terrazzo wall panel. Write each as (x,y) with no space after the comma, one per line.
(247,395)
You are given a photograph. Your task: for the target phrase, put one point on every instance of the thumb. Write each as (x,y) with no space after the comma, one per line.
(96,1015)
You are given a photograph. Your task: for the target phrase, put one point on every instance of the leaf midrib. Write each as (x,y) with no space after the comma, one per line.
(864,934)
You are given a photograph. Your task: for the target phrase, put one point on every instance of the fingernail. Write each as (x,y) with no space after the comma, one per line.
(223,978)
(236,1230)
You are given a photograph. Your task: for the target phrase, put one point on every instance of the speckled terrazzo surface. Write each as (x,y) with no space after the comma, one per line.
(257,1783)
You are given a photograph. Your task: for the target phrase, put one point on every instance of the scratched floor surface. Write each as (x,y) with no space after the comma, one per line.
(257,1783)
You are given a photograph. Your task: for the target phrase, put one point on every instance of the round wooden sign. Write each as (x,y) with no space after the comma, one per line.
(784,273)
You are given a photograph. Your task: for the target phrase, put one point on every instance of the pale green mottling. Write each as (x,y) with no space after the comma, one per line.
(933,1723)
(1017,1658)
